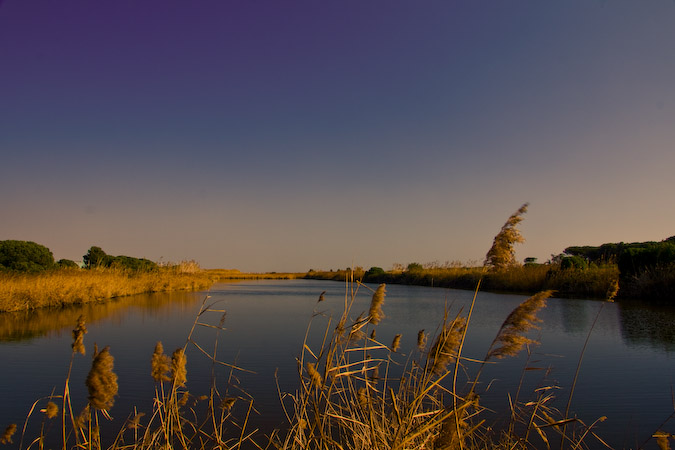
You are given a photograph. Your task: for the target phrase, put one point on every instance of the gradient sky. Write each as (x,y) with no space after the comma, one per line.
(289,135)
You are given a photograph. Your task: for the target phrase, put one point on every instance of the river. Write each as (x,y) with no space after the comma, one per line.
(626,373)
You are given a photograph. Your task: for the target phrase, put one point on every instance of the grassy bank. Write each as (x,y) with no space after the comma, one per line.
(233,274)
(592,282)
(56,288)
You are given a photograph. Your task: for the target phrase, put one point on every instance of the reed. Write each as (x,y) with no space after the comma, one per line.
(20,292)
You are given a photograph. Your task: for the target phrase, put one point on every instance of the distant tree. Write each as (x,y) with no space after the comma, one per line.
(96,257)
(67,264)
(573,262)
(415,267)
(374,272)
(397,267)
(25,256)
(131,263)
(530,262)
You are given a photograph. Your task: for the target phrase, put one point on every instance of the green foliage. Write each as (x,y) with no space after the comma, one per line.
(573,262)
(415,267)
(96,257)
(130,263)
(635,260)
(67,264)
(374,275)
(25,256)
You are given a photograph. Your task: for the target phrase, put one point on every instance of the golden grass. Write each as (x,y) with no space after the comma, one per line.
(19,292)
(234,274)
(593,282)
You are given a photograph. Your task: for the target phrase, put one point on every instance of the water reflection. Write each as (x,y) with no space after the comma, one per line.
(27,325)
(648,325)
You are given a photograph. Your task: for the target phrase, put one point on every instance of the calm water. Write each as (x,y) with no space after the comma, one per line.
(627,371)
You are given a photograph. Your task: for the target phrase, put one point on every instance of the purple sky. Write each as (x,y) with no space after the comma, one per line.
(289,135)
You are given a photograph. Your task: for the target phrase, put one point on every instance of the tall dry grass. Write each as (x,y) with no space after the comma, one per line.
(20,292)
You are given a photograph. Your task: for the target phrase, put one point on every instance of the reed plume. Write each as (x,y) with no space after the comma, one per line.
(445,347)
(502,255)
(314,375)
(78,336)
(160,364)
(228,403)
(421,340)
(135,422)
(510,339)
(51,410)
(375,313)
(396,344)
(179,367)
(662,439)
(7,435)
(102,381)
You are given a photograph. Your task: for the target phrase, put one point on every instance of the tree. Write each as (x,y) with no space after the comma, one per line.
(96,257)
(415,267)
(502,255)
(25,256)
(67,264)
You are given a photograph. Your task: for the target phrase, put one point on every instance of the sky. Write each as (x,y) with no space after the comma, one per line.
(268,135)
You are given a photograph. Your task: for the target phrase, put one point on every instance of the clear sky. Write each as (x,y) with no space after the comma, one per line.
(271,135)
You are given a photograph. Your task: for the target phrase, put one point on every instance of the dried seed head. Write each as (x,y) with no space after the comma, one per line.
(662,439)
(375,313)
(502,255)
(102,381)
(51,410)
(78,336)
(363,397)
(83,418)
(160,364)
(184,399)
(421,340)
(446,346)
(314,375)
(179,367)
(355,332)
(321,297)
(373,335)
(7,435)
(510,340)
(396,344)
(228,403)
(135,421)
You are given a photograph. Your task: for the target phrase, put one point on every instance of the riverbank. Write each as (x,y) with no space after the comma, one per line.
(234,274)
(528,279)
(56,288)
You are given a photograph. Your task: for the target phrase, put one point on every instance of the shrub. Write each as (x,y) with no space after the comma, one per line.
(25,256)
(67,264)
(96,257)
(415,267)
(573,262)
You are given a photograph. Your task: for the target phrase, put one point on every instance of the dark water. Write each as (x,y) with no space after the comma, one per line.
(626,373)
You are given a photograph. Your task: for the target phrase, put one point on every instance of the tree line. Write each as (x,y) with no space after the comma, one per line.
(31,257)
